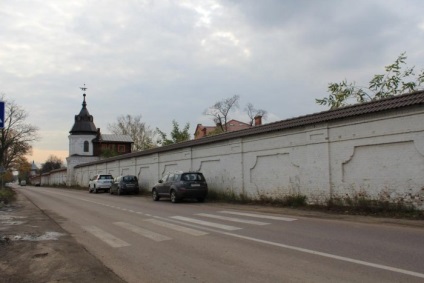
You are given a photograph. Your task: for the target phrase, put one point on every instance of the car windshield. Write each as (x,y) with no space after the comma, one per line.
(192,177)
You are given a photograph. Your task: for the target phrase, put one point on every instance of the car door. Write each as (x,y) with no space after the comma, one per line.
(161,186)
(168,183)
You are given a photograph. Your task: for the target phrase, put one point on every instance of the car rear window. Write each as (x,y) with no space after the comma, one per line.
(130,179)
(105,177)
(192,177)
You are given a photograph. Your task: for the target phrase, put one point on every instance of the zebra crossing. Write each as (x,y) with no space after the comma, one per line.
(180,223)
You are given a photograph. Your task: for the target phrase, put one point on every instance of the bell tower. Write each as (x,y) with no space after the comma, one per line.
(81,138)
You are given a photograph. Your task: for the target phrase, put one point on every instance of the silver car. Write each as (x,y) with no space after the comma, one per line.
(100,182)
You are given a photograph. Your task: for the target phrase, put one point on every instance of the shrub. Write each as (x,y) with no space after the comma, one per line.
(7,195)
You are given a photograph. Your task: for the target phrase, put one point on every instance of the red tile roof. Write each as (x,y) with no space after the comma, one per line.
(232,125)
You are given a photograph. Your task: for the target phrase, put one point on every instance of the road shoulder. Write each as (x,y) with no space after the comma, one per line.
(34,248)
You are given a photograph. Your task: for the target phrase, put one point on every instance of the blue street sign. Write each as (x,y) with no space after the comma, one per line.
(1,114)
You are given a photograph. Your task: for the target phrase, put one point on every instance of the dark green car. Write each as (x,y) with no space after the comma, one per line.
(180,185)
(127,184)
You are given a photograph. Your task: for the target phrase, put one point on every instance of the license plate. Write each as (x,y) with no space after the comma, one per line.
(195,185)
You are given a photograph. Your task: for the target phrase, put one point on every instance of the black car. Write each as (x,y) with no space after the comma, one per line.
(124,185)
(181,185)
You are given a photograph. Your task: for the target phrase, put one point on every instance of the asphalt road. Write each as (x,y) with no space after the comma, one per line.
(145,241)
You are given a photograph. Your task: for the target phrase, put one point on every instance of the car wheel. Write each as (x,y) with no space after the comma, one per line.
(200,199)
(136,192)
(155,195)
(174,198)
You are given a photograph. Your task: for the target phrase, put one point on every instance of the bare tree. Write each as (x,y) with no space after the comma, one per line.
(252,112)
(16,136)
(140,133)
(220,110)
(52,163)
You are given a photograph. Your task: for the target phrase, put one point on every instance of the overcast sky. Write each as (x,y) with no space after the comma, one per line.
(171,60)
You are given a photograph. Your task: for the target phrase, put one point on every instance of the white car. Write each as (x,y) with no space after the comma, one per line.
(100,182)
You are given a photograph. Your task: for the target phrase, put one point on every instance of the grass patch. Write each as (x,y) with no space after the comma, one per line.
(227,196)
(295,200)
(7,195)
(366,206)
(352,206)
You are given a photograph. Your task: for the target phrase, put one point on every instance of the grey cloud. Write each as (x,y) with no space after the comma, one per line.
(151,57)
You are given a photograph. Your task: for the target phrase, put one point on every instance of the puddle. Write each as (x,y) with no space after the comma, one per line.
(48,236)
(10,222)
(9,217)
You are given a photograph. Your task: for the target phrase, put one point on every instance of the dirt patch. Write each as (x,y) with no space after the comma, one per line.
(34,248)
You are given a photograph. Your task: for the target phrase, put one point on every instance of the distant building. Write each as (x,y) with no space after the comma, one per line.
(120,144)
(232,125)
(34,169)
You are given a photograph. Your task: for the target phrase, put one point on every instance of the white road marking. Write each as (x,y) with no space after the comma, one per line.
(106,237)
(259,215)
(143,232)
(178,228)
(233,219)
(346,259)
(206,223)
(341,258)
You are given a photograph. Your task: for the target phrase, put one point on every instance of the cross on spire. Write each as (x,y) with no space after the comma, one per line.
(84,104)
(83,88)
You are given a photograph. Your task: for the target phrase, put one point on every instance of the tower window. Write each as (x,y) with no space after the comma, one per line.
(86,146)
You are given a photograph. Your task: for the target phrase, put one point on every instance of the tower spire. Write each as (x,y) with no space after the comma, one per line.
(84,104)
(83,121)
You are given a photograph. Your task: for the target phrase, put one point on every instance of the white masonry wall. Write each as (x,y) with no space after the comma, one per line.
(55,177)
(76,144)
(378,157)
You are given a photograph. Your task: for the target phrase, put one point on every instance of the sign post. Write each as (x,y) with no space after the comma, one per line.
(2,171)
(1,114)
